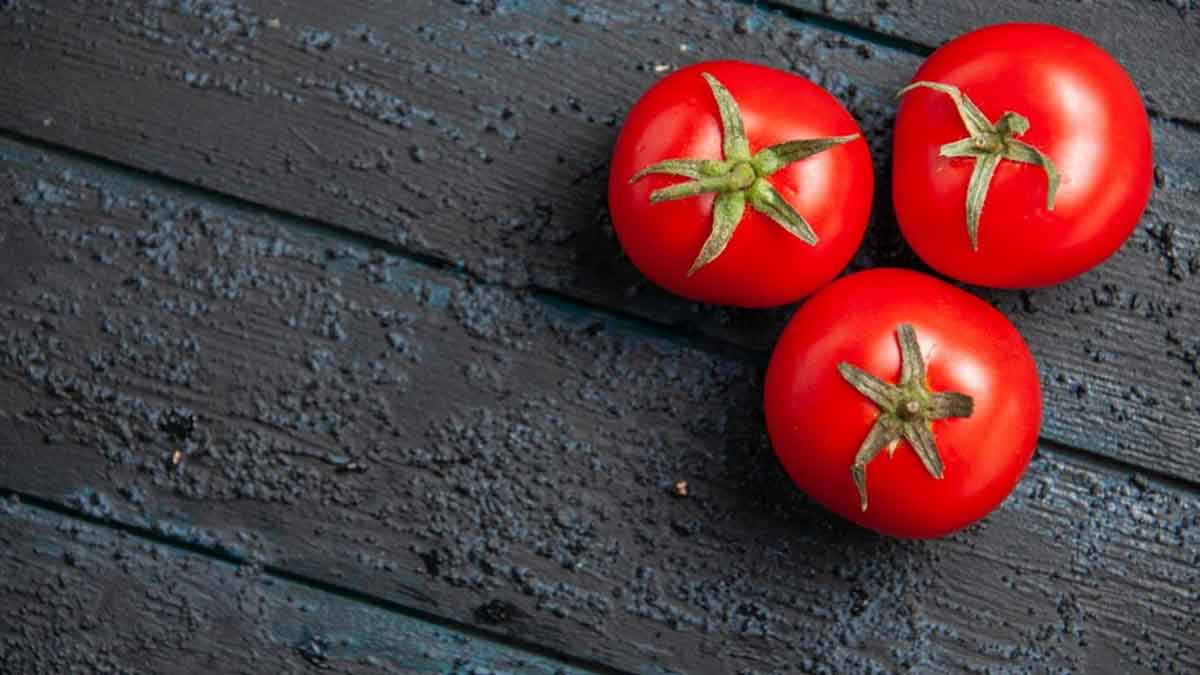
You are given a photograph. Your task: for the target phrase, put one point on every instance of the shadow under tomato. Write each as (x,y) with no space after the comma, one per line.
(775,540)
(763,502)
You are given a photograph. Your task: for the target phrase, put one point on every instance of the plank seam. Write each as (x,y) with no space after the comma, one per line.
(896,42)
(337,233)
(846,28)
(346,593)
(1112,465)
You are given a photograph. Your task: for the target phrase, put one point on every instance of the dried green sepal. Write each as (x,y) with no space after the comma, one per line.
(738,173)
(987,144)
(906,411)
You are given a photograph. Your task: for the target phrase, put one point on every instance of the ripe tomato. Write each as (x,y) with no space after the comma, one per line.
(1082,113)
(890,354)
(756,204)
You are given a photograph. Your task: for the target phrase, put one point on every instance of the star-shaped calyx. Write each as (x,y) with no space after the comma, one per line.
(988,144)
(739,179)
(906,411)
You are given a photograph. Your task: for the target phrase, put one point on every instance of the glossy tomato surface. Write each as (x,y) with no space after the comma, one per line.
(817,421)
(763,265)
(1084,113)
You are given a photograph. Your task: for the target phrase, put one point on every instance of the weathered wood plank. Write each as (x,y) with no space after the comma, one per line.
(481,138)
(75,597)
(489,456)
(1157,42)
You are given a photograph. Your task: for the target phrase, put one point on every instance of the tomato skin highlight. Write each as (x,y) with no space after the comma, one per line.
(763,265)
(1085,114)
(817,421)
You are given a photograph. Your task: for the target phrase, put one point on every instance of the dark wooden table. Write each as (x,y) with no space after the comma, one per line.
(317,352)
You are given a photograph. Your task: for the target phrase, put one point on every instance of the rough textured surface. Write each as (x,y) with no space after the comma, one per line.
(477,135)
(75,597)
(222,379)
(424,375)
(1155,40)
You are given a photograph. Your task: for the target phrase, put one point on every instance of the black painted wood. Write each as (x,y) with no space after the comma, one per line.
(76,597)
(1157,42)
(216,375)
(478,134)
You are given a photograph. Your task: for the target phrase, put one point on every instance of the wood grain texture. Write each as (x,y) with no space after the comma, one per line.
(479,134)
(1157,41)
(75,597)
(480,138)
(492,456)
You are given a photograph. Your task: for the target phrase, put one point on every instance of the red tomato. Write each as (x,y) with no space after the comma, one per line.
(767,232)
(1083,113)
(819,422)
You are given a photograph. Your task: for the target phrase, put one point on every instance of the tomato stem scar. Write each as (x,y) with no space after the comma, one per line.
(906,411)
(987,144)
(739,180)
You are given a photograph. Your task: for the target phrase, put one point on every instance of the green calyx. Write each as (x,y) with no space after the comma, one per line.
(987,144)
(906,411)
(739,180)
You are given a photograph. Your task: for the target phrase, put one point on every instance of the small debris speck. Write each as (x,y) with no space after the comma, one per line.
(318,40)
(496,611)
